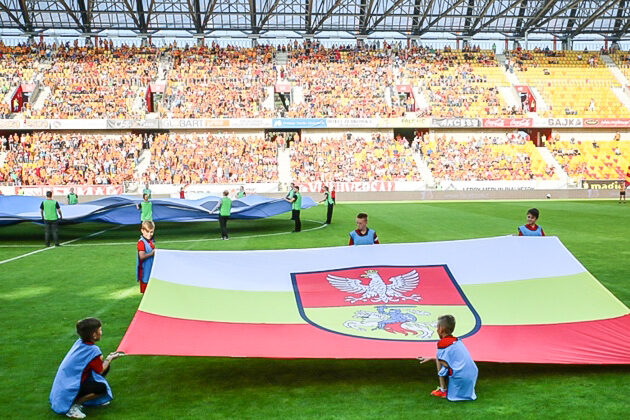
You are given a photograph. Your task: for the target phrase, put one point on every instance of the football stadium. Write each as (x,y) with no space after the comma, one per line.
(330,209)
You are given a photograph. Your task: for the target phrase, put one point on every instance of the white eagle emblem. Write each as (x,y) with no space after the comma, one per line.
(377,290)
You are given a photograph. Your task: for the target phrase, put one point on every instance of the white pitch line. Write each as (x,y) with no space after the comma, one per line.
(62,244)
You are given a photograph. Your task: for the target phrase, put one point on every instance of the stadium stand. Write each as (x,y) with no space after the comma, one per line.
(485,157)
(60,159)
(339,159)
(461,84)
(572,83)
(193,158)
(219,82)
(587,159)
(97,82)
(341,83)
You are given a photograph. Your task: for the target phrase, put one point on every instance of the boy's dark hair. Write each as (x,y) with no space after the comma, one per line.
(362,216)
(296,187)
(145,196)
(49,194)
(86,327)
(447,322)
(534,212)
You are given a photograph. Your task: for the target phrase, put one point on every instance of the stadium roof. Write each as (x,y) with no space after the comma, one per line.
(610,18)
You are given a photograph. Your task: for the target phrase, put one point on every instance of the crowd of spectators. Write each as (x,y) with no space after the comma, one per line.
(97,82)
(61,158)
(219,82)
(341,82)
(487,158)
(194,158)
(342,159)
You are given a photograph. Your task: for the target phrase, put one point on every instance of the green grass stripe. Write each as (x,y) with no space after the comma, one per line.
(204,304)
(575,298)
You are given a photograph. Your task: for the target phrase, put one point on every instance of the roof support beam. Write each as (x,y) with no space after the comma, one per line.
(498,16)
(383,16)
(366,13)
(70,13)
(326,16)
(209,13)
(445,13)
(132,14)
(602,9)
(481,15)
(469,14)
(540,22)
(521,13)
(417,25)
(85,17)
(195,15)
(268,15)
(309,15)
(619,20)
(252,16)
(14,18)
(26,16)
(625,28)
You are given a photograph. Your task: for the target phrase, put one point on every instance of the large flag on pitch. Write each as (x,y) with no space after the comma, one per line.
(515,299)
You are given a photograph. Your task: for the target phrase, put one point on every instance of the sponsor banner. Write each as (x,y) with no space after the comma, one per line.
(35,124)
(372,186)
(133,124)
(81,124)
(559,122)
(455,122)
(607,122)
(195,191)
(81,190)
(250,123)
(602,184)
(501,185)
(507,122)
(10,124)
(404,122)
(195,123)
(352,122)
(299,123)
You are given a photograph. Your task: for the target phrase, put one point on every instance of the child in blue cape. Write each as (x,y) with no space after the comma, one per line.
(80,377)
(457,372)
(146,253)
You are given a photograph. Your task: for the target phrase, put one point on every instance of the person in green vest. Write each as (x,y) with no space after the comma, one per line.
(72,197)
(146,190)
(290,195)
(146,208)
(241,192)
(51,215)
(296,206)
(225,209)
(329,203)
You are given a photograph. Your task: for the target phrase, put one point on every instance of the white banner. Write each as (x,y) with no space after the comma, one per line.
(502,185)
(372,186)
(195,191)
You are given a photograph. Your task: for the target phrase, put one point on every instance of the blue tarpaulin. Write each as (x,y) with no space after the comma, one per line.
(121,209)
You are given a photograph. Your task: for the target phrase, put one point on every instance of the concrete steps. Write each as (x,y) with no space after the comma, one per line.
(144,160)
(424,171)
(284,166)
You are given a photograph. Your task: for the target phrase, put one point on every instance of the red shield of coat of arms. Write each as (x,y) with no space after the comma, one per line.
(384,302)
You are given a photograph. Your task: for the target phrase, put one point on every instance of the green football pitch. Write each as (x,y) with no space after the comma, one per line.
(44,292)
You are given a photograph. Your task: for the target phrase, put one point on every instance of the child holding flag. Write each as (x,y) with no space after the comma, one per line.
(531,228)
(457,372)
(80,377)
(146,252)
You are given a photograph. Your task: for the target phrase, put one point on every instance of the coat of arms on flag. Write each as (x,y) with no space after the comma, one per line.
(384,302)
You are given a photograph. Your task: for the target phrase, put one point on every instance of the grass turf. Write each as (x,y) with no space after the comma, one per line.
(44,294)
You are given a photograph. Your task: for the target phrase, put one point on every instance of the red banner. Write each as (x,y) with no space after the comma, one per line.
(508,122)
(373,186)
(81,190)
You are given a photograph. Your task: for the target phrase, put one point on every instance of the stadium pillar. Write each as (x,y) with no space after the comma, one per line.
(527,40)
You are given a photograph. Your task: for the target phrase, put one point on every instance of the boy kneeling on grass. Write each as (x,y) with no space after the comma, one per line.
(457,372)
(80,377)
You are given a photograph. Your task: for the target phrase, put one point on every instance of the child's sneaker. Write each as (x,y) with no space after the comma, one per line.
(75,412)
(439,393)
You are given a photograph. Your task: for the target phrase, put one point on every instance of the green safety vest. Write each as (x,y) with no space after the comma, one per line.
(226,206)
(291,194)
(297,204)
(73,198)
(146,191)
(147,210)
(50,210)
(240,194)
(329,199)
